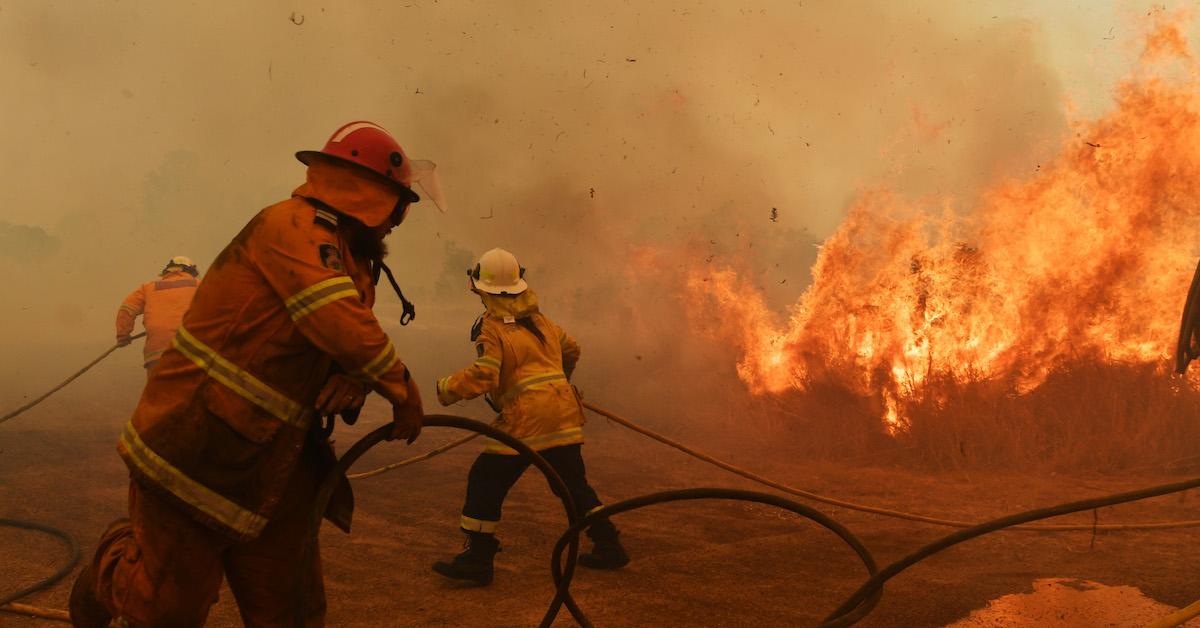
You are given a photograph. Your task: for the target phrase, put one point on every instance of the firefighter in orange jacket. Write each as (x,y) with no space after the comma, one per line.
(225,448)
(524,362)
(161,305)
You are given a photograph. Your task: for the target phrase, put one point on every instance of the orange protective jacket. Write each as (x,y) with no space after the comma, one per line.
(224,416)
(527,378)
(161,305)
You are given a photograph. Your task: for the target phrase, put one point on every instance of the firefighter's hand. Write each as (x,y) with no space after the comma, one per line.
(123,340)
(407,416)
(339,394)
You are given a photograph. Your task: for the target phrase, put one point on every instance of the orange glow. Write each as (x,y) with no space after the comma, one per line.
(1087,260)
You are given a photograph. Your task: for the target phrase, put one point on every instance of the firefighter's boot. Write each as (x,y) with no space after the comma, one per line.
(607,552)
(475,563)
(86,611)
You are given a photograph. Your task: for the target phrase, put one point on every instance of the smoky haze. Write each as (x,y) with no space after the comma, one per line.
(573,134)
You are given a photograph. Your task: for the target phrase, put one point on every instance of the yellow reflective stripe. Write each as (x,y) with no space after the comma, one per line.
(318,295)
(190,491)
(533,380)
(477,525)
(241,382)
(380,364)
(593,510)
(569,436)
(327,216)
(488,362)
(442,384)
(129,308)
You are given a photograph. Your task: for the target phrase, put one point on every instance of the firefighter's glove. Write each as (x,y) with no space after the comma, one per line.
(407,415)
(123,340)
(340,394)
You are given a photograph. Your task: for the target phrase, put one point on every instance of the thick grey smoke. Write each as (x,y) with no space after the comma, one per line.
(574,134)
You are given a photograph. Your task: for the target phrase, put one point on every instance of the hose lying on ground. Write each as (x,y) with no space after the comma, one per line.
(407,461)
(1178,617)
(50,581)
(563,581)
(856,607)
(67,381)
(875,582)
(754,477)
(36,611)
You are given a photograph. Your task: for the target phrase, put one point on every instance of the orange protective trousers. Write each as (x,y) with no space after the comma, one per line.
(164,568)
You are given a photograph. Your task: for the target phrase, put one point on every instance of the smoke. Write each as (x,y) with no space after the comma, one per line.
(574,134)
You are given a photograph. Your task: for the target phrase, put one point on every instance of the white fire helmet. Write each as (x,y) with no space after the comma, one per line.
(180,262)
(498,272)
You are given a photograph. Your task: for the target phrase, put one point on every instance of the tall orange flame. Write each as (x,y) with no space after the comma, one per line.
(1087,260)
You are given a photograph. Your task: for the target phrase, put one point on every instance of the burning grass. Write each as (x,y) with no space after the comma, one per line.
(1031,327)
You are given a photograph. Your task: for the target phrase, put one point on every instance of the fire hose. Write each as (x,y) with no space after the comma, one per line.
(564,573)
(832,501)
(852,610)
(6,602)
(70,379)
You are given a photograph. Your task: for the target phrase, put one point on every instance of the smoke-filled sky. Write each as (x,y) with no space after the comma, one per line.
(572,133)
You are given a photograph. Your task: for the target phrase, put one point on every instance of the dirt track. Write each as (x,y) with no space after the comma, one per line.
(711,564)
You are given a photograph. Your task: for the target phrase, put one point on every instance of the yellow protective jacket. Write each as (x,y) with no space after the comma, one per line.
(224,417)
(525,377)
(161,304)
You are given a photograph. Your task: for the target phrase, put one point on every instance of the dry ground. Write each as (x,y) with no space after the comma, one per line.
(701,563)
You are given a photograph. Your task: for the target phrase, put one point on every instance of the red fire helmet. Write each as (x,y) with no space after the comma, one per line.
(370,146)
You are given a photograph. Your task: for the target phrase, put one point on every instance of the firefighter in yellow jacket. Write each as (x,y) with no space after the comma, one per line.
(524,362)
(225,448)
(161,304)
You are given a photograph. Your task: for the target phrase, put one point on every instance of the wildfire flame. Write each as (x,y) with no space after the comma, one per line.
(1089,259)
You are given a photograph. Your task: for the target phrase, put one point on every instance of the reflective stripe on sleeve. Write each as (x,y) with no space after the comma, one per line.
(380,364)
(190,491)
(477,525)
(488,362)
(129,308)
(318,295)
(244,384)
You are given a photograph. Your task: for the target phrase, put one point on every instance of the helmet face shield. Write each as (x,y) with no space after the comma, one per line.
(425,176)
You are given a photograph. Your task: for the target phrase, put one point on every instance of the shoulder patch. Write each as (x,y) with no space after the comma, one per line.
(479,349)
(326,218)
(331,258)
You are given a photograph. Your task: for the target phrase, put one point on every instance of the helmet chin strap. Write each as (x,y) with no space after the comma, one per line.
(410,311)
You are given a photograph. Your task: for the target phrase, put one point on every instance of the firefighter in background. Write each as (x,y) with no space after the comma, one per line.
(524,362)
(225,448)
(161,305)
